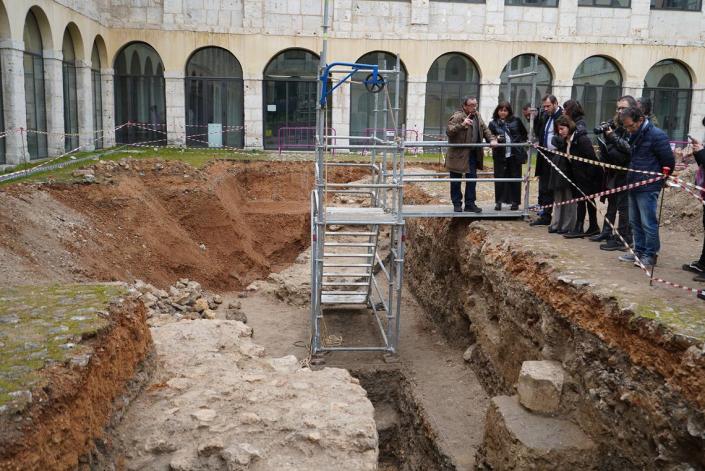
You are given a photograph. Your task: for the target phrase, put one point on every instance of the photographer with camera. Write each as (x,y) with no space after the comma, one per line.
(507,160)
(614,149)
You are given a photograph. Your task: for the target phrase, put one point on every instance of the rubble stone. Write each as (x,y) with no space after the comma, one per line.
(540,386)
(516,439)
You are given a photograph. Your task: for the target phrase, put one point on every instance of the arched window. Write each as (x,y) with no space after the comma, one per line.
(214,95)
(68,66)
(34,89)
(668,84)
(521,86)
(597,85)
(362,102)
(290,95)
(97,89)
(139,95)
(450,77)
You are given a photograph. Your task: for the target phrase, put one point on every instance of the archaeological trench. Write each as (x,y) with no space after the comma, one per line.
(149,312)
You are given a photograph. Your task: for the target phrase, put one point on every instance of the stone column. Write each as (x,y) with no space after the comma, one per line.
(415,107)
(175,108)
(54,92)
(632,87)
(697,111)
(562,89)
(14,102)
(86,127)
(489,93)
(341,113)
(253,113)
(108,94)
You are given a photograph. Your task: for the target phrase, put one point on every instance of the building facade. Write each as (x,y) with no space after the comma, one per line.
(75,72)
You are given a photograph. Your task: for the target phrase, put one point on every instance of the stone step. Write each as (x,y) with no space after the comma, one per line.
(515,438)
(541,385)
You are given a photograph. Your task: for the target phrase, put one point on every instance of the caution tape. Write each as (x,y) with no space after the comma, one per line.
(672,178)
(638,261)
(597,195)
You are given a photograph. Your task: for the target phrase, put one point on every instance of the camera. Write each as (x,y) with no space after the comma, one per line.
(605,126)
(501,139)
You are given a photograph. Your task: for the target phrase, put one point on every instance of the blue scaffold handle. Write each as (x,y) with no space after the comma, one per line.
(375,79)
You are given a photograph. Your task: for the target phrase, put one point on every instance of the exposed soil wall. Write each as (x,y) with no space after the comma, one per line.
(225,225)
(637,389)
(74,402)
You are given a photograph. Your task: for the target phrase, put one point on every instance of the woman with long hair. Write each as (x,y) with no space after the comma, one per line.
(507,160)
(564,215)
(588,177)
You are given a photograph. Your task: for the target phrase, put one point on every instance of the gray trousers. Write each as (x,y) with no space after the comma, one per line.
(564,216)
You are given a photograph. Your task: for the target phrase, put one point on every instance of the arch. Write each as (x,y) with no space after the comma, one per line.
(70,95)
(140,95)
(292,63)
(100,48)
(669,85)
(597,85)
(290,95)
(97,91)
(451,76)
(213,61)
(5,31)
(214,95)
(35,93)
(74,35)
(522,64)
(362,111)
(43,25)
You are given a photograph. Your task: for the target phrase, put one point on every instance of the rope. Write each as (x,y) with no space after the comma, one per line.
(640,264)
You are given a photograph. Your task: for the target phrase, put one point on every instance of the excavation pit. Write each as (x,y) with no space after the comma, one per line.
(632,355)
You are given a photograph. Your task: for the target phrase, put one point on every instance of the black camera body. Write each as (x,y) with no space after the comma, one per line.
(605,126)
(501,139)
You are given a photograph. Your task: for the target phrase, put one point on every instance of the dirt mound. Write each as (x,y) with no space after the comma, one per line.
(681,210)
(225,225)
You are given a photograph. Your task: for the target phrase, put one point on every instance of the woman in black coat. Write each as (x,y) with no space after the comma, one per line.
(588,177)
(507,160)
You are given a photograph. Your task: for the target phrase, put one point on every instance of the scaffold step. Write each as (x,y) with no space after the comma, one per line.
(347,299)
(347,265)
(345,283)
(350,275)
(349,244)
(358,216)
(341,293)
(351,255)
(351,234)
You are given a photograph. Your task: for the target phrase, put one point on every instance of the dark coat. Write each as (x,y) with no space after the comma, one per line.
(556,181)
(457,159)
(517,133)
(700,175)
(651,151)
(542,167)
(614,149)
(588,177)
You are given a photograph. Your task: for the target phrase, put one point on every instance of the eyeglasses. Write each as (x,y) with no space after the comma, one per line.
(620,108)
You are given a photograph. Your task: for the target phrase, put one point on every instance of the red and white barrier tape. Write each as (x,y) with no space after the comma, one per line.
(601,193)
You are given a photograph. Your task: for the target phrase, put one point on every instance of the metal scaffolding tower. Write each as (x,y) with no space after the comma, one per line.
(355,238)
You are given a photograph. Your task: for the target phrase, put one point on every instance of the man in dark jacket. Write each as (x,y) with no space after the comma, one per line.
(650,151)
(543,130)
(615,150)
(466,126)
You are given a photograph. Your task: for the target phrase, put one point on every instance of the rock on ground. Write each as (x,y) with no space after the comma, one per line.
(219,403)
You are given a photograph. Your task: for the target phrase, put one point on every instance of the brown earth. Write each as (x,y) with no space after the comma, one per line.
(73,405)
(225,225)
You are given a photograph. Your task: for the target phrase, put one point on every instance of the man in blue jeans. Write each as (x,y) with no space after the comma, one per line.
(651,151)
